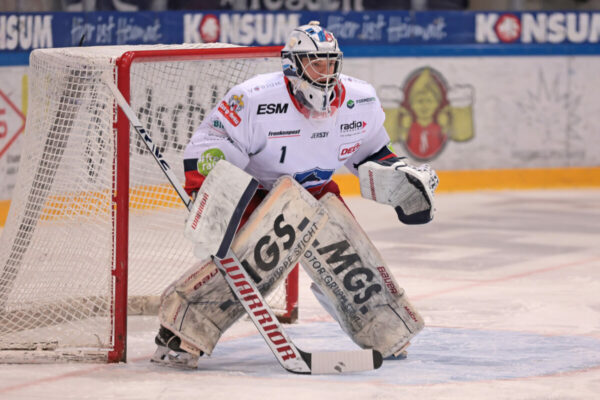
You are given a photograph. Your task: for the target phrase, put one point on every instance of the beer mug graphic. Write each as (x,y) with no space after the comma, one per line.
(461,112)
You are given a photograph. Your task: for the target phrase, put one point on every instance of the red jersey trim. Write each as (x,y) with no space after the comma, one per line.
(193,181)
(387,156)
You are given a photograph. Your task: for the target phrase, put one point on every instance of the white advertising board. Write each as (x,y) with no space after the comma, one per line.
(490,112)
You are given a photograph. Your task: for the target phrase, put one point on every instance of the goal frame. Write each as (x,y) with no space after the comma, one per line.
(121,180)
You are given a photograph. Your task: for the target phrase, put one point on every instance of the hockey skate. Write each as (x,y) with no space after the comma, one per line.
(401,354)
(170,353)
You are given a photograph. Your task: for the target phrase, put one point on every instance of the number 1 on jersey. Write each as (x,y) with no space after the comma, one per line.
(282,158)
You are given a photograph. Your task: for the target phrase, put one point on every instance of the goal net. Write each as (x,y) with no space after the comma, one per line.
(95,230)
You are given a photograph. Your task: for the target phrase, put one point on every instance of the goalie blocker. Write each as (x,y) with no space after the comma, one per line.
(407,188)
(289,226)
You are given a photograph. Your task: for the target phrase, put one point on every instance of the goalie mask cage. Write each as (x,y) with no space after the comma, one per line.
(95,230)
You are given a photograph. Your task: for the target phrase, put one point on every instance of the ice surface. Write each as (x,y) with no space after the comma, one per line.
(508,284)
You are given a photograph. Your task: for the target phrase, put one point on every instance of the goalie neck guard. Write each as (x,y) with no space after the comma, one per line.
(312,62)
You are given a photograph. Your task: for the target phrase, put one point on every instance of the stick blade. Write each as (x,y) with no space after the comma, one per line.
(338,362)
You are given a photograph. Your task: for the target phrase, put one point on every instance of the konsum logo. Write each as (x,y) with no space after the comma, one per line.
(25,32)
(239,28)
(557,27)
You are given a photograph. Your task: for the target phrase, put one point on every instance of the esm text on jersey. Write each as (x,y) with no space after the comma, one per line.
(272,108)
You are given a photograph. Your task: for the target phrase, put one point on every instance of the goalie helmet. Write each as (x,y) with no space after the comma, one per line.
(312,62)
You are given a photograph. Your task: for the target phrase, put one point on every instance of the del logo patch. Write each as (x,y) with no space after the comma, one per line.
(347,149)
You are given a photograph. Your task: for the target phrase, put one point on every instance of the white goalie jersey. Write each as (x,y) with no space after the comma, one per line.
(260,128)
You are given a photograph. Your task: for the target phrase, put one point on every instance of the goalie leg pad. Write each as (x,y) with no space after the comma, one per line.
(188,305)
(215,206)
(352,277)
(200,306)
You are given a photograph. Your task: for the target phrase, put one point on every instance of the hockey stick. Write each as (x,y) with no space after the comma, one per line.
(289,355)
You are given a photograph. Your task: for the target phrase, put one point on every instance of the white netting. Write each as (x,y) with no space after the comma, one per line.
(56,252)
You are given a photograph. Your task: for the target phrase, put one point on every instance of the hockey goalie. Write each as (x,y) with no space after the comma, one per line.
(290,131)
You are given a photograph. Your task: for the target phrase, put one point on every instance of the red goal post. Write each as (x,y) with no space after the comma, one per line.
(94,232)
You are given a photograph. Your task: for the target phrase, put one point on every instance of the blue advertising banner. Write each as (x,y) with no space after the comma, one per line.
(366,34)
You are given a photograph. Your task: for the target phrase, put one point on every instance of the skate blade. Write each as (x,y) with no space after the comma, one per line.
(169,358)
(401,354)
